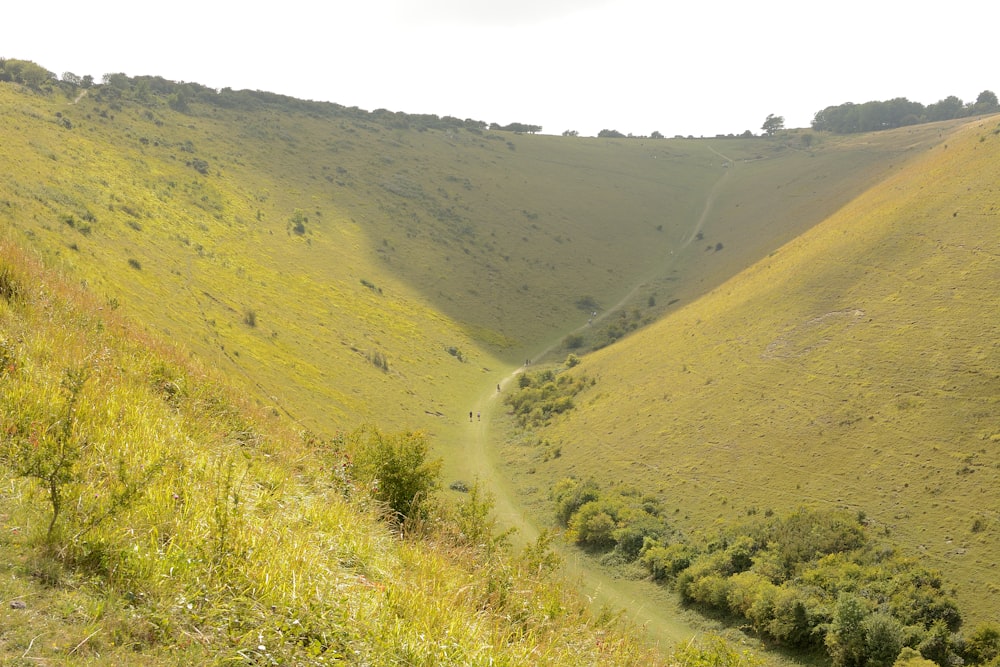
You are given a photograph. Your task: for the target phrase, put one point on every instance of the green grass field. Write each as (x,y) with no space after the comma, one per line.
(806,320)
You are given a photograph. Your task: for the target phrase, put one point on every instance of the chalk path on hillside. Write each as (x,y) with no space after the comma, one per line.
(636,598)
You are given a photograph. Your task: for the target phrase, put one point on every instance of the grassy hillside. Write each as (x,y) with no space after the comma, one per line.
(338,267)
(149,516)
(855,368)
(349,269)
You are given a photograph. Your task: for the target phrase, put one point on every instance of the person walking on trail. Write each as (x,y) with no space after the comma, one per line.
(470,415)
(498,389)
(479,417)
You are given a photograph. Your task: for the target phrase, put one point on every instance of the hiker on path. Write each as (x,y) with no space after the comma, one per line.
(470,415)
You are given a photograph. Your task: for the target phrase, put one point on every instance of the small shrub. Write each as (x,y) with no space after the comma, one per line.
(983,645)
(8,357)
(570,495)
(250,318)
(379,360)
(395,467)
(199,165)
(43,445)
(134,263)
(665,562)
(297,223)
(593,525)
(634,532)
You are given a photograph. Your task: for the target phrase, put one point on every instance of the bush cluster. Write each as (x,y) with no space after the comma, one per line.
(617,327)
(541,395)
(813,580)
(818,580)
(621,520)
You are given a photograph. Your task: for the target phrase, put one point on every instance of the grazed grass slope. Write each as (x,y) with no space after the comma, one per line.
(349,271)
(857,367)
(195,530)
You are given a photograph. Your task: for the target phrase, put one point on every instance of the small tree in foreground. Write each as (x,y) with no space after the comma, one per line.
(42,444)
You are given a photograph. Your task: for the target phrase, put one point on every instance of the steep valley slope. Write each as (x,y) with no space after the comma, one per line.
(822,312)
(348,267)
(857,367)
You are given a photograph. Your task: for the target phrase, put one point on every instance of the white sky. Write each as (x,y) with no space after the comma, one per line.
(684,67)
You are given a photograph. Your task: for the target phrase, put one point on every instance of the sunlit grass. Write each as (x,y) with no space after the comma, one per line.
(366,255)
(856,368)
(469,244)
(195,528)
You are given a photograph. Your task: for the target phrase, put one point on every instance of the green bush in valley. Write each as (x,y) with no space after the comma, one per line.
(570,495)
(620,519)
(815,579)
(395,467)
(811,580)
(634,530)
(544,394)
(592,525)
(665,562)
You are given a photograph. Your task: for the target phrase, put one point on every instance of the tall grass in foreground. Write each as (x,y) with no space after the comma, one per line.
(149,517)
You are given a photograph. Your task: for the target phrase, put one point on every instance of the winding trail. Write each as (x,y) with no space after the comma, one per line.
(649,607)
